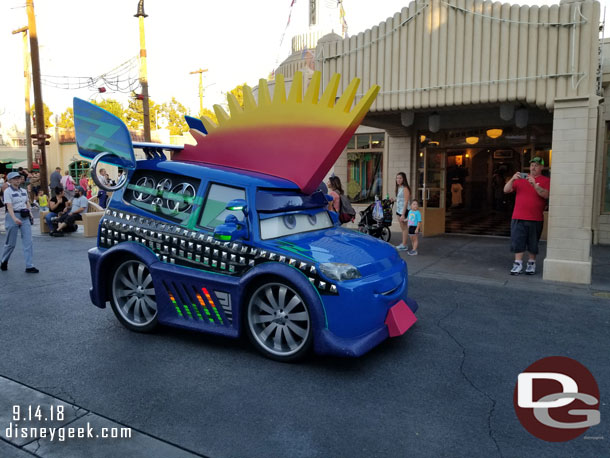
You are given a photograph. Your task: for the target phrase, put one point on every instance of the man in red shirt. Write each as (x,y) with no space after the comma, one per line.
(532,192)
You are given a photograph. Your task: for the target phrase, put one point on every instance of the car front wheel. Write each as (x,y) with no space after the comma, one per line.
(279,322)
(132,296)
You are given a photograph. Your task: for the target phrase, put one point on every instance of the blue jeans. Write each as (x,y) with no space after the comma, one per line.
(11,239)
(48,217)
(102,198)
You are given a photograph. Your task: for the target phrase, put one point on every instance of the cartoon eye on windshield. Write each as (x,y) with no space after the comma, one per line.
(290,221)
(294,223)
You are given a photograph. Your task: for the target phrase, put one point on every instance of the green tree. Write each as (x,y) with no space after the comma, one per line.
(238,92)
(47,116)
(210,114)
(134,114)
(112,106)
(174,112)
(66,120)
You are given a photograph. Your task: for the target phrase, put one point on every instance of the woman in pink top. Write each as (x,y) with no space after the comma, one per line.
(84,182)
(335,189)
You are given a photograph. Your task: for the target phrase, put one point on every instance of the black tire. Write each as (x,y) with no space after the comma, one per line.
(385,234)
(278,321)
(132,296)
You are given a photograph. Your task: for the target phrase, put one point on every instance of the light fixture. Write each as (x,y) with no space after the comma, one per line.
(407,118)
(422,138)
(421,154)
(507,110)
(434,122)
(431,142)
(472,140)
(467,155)
(521,116)
(494,133)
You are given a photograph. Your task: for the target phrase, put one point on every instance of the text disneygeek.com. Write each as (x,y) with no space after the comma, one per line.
(61,433)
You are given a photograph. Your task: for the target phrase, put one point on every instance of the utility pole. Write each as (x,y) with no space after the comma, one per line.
(38,104)
(28,83)
(143,78)
(200,71)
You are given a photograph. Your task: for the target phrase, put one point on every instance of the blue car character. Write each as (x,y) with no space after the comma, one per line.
(223,250)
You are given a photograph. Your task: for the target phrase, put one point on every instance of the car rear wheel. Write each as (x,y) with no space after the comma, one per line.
(279,322)
(132,296)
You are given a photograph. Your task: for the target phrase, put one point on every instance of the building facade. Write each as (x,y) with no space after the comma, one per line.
(470,91)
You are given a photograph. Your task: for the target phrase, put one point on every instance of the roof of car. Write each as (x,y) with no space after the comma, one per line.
(218,173)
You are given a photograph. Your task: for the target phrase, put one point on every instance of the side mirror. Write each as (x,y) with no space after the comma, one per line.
(231,230)
(237,205)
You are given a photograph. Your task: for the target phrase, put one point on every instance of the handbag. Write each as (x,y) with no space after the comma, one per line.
(69,184)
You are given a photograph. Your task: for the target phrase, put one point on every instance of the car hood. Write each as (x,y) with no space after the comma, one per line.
(368,254)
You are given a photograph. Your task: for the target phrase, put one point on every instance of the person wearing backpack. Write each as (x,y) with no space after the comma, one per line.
(340,203)
(68,184)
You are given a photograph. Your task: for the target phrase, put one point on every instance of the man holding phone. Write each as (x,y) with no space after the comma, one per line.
(532,192)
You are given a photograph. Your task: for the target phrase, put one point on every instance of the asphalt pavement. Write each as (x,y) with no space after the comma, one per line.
(443,389)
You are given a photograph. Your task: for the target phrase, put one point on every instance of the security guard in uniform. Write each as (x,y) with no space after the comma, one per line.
(18,218)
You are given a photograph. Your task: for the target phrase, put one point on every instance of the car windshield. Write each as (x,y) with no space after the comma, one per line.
(294,223)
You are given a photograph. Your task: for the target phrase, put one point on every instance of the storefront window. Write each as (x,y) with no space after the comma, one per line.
(364,165)
(78,168)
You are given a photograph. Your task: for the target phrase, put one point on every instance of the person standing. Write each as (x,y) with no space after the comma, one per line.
(335,190)
(55,180)
(414,223)
(34,186)
(531,194)
(84,182)
(43,201)
(102,196)
(68,184)
(403,201)
(19,218)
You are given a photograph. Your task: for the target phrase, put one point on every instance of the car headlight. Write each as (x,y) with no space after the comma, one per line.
(339,271)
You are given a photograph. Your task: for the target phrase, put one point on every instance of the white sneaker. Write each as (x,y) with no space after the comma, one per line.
(401,247)
(517,268)
(413,253)
(531,268)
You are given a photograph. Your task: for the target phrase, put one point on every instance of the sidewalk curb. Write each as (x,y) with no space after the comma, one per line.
(30,401)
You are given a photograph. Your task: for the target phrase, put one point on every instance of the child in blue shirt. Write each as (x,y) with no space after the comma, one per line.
(414,223)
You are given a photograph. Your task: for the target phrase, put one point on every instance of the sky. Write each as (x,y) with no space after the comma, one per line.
(238,41)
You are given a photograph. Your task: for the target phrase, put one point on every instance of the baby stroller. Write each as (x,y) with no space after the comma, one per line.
(379,229)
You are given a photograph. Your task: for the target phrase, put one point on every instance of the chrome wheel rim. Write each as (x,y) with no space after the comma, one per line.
(134,294)
(279,319)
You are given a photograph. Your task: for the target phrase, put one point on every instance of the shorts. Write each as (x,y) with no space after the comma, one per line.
(524,235)
(412,230)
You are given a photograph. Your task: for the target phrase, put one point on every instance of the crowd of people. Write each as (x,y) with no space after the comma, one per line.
(21,192)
